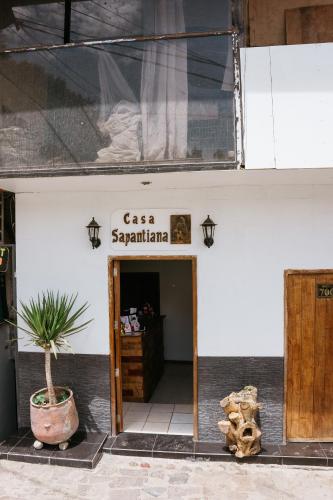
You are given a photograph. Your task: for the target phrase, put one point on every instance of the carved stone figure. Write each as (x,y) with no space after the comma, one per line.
(241,431)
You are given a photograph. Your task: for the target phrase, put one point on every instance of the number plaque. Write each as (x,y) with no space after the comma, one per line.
(325,291)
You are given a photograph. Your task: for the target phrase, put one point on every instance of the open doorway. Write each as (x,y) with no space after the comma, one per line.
(153,308)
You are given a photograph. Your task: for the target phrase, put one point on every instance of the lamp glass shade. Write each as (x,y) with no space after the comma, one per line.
(208,228)
(93,232)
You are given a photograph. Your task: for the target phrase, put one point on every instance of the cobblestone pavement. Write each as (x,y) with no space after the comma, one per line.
(132,478)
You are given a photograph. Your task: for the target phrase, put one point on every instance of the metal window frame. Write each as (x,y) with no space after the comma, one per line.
(119,40)
(91,168)
(238,10)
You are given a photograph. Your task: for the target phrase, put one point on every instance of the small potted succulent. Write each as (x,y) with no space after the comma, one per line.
(50,320)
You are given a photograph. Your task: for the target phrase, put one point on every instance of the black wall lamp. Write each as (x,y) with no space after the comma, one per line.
(93,232)
(208,228)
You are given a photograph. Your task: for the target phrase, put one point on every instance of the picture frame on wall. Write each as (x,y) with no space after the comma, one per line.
(180,229)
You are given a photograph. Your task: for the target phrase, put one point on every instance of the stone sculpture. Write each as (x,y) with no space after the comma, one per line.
(241,431)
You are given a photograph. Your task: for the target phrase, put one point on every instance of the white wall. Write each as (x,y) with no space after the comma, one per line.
(262,230)
(287,105)
(175,303)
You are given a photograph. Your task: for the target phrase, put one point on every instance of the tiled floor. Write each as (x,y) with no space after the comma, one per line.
(170,410)
(176,384)
(158,418)
(153,445)
(85,450)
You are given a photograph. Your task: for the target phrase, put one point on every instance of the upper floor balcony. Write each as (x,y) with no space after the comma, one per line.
(138,86)
(115,86)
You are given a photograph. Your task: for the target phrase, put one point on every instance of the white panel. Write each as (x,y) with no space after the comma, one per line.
(288,106)
(302,77)
(172,181)
(257,108)
(262,230)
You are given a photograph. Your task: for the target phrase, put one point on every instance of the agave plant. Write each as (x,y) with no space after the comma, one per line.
(50,319)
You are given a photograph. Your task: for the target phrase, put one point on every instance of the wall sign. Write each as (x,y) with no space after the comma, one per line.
(138,228)
(325,291)
(4,258)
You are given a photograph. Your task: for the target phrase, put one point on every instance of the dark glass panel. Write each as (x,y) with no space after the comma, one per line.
(116,103)
(27,23)
(101,19)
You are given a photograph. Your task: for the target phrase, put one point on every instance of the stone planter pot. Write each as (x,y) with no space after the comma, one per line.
(54,424)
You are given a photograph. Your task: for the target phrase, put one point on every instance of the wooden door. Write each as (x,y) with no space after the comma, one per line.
(309,356)
(115,347)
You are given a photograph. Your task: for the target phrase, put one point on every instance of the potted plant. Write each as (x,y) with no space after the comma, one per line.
(50,319)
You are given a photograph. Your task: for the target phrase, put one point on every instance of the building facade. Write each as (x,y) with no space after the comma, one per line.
(170,110)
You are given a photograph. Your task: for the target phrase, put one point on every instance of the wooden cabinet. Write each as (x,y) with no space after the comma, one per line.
(142,361)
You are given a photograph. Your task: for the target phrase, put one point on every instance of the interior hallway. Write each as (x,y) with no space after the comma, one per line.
(170,410)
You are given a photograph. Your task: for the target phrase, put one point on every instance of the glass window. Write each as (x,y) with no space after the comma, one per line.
(114,103)
(100,19)
(27,23)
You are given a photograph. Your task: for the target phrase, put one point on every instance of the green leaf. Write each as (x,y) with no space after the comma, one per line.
(40,399)
(50,318)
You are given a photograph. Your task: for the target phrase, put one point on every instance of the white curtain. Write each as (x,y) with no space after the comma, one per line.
(164,92)
(119,113)
(156,129)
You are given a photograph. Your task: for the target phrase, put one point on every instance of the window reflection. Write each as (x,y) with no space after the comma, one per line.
(98,19)
(27,23)
(116,103)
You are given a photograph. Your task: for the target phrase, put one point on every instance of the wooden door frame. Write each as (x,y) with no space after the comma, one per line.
(289,272)
(193,260)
